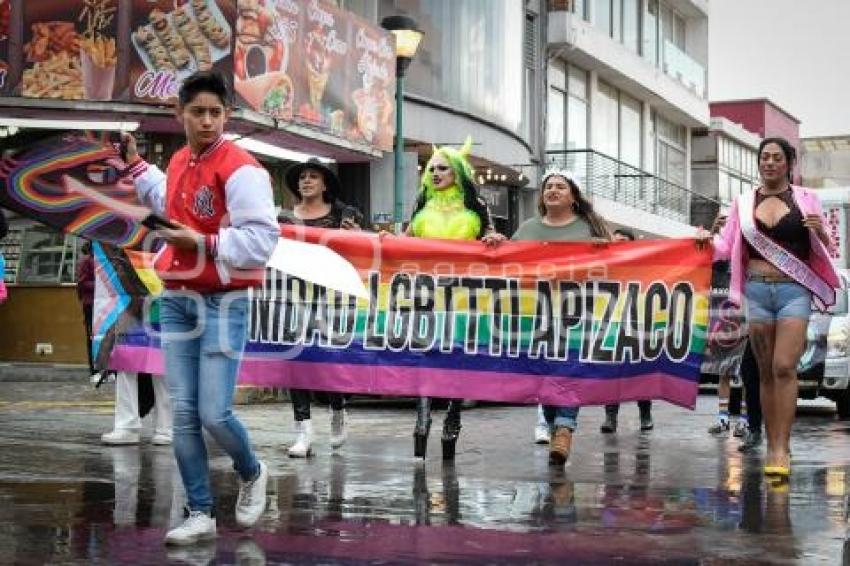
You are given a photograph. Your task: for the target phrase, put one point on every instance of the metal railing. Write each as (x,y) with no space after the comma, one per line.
(599,174)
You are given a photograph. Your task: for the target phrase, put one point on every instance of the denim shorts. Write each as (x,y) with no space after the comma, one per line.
(768,301)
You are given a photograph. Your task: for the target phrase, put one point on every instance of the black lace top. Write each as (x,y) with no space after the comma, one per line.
(788,232)
(332,219)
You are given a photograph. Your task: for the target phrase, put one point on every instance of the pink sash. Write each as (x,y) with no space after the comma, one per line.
(823,294)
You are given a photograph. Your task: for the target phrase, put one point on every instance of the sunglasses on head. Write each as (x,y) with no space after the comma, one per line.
(433,168)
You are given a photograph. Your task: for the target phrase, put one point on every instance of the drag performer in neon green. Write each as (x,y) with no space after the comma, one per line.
(448,207)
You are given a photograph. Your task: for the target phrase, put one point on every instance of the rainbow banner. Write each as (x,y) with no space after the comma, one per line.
(526,322)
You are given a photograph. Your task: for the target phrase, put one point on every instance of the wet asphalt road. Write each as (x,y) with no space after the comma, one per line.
(671,496)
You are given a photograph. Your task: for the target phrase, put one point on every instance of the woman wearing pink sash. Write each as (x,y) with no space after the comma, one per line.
(778,250)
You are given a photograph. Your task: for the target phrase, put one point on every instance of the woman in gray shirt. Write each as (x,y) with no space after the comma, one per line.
(565,216)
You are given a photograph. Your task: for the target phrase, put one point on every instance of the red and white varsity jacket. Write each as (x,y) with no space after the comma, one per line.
(224,194)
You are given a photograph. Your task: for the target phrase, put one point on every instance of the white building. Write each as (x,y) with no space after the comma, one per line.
(826,161)
(626,88)
(724,163)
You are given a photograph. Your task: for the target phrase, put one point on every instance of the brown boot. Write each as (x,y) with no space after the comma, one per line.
(562,440)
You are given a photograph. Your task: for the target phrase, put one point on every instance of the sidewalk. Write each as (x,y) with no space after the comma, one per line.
(12,372)
(79,374)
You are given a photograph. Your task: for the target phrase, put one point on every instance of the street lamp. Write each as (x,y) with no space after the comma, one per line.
(407,38)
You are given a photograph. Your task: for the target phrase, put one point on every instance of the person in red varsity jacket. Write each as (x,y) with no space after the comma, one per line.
(220,201)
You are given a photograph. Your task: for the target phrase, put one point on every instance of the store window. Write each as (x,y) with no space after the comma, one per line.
(46,256)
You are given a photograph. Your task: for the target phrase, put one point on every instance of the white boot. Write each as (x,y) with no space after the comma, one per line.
(338,431)
(304,440)
(127,422)
(162,412)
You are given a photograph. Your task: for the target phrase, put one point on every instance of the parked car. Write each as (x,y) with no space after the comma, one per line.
(835,384)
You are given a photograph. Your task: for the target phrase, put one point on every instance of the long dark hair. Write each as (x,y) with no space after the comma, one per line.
(581,206)
(787,149)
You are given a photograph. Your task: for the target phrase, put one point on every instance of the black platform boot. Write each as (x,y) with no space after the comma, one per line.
(423,427)
(451,429)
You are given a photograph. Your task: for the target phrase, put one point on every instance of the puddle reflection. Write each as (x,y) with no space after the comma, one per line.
(333,510)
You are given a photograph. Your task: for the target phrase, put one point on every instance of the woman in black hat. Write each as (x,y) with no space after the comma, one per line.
(317,190)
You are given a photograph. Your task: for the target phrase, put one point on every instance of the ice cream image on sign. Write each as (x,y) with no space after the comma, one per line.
(318,66)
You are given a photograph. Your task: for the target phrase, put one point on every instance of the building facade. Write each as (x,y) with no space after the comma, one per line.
(825,162)
(724,165)
(476,73)
(763,118)
(626,86)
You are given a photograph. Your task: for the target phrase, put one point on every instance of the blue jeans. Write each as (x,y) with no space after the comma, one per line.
(202,340)
(561,416)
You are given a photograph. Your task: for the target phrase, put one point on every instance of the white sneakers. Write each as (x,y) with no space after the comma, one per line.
(541,434)
(120,437)
(304,441)
(161,439)
(250,504)
(197,527)
(252,498)
(338,432)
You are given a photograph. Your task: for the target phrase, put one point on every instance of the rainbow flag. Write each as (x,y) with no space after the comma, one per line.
(526,322)
(31,184)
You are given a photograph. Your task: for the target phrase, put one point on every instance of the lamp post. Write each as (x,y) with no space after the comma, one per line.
(407,38)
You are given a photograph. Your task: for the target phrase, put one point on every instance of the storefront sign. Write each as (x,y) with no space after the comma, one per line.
(171,40)
(69,49)
(307,62)
(301,61)
(371,85)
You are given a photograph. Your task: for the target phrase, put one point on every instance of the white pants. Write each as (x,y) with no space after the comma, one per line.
(127,404)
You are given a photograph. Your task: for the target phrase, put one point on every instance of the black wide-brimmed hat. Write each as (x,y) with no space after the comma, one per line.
(331,180)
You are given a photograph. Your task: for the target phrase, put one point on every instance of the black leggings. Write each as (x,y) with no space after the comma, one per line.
(301,402)
(752,390)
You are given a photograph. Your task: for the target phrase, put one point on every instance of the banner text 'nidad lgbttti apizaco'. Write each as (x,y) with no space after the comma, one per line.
(526,322)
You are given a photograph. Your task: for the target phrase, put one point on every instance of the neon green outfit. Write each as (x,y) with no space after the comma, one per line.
(444,214)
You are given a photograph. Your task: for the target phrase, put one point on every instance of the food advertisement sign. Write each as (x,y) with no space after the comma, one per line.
(371,85)
(321,67)
(5,16)
(69,49)
(267,33)
(307,62)
(171,39)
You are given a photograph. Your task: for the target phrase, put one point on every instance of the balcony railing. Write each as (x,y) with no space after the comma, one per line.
(683,68)
(601,175)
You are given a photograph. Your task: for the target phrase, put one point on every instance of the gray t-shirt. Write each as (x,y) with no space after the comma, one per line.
(534,229)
